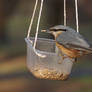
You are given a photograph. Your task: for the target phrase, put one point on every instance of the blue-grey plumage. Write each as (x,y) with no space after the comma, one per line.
(71,38)
(70,41)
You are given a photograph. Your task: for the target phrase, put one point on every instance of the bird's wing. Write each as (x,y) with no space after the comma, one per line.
(73,40)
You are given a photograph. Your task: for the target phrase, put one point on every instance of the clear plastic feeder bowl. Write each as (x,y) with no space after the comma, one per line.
(49,66)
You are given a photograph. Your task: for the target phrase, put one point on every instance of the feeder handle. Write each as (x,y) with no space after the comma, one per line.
(35,7)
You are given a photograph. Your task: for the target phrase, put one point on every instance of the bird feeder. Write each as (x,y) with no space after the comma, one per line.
(50,67)
(42,59)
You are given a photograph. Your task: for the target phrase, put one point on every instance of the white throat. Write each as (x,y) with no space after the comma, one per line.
(56,33)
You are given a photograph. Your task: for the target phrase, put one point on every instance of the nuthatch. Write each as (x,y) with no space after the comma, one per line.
(70,42)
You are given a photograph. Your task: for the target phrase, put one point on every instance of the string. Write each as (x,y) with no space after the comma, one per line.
(65,13)
(77,20)
(30,26)
(37,29)
(36,35)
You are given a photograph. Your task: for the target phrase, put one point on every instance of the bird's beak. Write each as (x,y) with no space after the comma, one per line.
(46,31)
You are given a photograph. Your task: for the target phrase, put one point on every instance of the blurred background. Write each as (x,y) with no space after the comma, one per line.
(15,17)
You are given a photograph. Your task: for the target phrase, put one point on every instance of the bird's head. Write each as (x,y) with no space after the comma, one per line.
(56,30)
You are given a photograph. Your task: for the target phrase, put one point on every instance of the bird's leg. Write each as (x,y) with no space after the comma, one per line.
(57,50)
(60,61)
(75,59)
(62,57)
(59,54)
(72,59)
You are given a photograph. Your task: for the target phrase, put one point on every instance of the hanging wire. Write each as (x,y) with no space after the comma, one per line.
(30,27)
(77,20)
(37,29)
(65,13)
(36,35)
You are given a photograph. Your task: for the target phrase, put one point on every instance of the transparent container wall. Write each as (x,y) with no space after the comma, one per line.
(52,66)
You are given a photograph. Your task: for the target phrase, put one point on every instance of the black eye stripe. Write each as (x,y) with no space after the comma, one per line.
(64,29)
(58,30)
(53,30)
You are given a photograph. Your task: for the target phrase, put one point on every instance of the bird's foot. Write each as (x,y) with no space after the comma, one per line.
(64,57)
(60,62)
(72,59)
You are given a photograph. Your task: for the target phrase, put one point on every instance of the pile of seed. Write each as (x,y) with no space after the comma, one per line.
(48,74)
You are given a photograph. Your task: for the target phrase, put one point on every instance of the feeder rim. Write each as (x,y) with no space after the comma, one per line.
(39,51)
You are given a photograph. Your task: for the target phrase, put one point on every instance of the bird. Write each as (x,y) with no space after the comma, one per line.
(70,42)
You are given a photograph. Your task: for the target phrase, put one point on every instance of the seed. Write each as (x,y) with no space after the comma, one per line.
(50,74)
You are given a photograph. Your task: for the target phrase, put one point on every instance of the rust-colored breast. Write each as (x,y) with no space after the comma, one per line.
(69,52)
